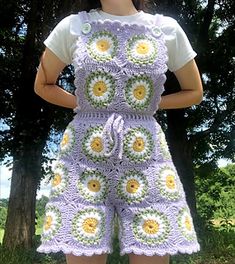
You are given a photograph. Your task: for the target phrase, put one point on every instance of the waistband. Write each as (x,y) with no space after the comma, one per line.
(105,115)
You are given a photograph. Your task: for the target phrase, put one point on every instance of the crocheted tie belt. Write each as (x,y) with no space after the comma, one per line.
(113,134)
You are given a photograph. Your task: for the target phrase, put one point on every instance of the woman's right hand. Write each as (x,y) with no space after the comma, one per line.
(45,81)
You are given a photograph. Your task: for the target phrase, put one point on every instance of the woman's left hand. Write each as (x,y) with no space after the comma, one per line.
(191,88)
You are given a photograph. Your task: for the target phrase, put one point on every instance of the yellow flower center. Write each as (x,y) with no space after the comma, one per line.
(132,186)
(65,139)
(151,226)
(138,144)
(102,45)
(188,223)
(142,48)
(99,88)
(139,92)
(170,181)
(94,185)
(89,225)
(48,222)
(96,144)
(56,180)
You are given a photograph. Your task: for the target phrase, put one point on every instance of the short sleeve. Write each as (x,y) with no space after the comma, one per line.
(60,40)
(179,48)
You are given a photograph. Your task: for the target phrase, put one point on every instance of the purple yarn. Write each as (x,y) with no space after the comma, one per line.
(114,163)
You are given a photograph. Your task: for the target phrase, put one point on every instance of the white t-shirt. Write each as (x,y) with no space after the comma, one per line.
(62,39)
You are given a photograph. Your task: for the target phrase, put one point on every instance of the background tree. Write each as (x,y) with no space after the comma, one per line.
(30,119)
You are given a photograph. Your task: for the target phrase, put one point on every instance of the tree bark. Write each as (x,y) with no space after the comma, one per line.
(181,152)
(20,223)
(179,144)
(30,129)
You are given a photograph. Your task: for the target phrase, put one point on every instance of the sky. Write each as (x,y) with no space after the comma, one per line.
(5,178)
(5,182)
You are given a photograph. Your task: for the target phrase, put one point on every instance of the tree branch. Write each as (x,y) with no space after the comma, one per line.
(218,120)
(207,18)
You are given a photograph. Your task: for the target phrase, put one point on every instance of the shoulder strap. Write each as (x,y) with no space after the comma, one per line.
(158,20)
(77,21)
(84,16)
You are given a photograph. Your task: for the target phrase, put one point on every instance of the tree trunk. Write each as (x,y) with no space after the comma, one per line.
(27,149)
(20,223)
(30,129)
(179,144)
(182,154)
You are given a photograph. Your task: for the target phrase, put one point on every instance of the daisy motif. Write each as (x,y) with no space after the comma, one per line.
(151,227)
(138,144)
(100,89)
(163,145)
(139,91)
(132,186)
(59,182)
(93,144)
(93,186)
(102,46)
(185,223)
(52,222)
(168,183)
(88,226)
(141,50)
(68,141)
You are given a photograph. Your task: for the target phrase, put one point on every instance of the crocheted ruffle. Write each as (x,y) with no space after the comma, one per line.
(74,251)
(169,251)
(137,251)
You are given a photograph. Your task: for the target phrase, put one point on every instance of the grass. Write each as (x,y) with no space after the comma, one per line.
(1,234)
(217,247)
(217,222)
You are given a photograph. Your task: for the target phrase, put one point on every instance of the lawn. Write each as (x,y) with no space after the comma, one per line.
(217,247)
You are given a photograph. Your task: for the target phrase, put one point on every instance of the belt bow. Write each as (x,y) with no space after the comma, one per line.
(113,135)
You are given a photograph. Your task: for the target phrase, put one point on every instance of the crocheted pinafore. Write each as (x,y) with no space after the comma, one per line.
(114,159)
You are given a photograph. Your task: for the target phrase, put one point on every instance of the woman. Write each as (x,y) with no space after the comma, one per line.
(114,159)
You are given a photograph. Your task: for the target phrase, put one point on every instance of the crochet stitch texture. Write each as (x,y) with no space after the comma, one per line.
(114,161)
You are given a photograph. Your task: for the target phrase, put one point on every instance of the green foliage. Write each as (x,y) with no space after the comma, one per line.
(40,211)
(3,216)
(4,202)
(1,235)
(20,256)
(40,205)
(215,195)
(3,212)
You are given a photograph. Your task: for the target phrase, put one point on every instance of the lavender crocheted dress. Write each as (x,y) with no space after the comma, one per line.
(114,162)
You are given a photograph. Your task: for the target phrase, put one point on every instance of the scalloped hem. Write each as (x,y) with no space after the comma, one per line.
(68,250)
(150,253)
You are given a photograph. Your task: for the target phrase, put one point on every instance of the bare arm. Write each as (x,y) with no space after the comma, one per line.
(44,86)
(191,88)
